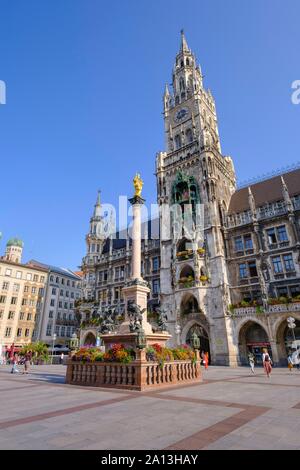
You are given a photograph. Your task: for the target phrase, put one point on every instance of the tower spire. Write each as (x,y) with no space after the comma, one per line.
(97,210)
(184,45)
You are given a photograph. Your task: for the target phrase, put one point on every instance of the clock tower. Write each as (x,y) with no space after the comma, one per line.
(194,178)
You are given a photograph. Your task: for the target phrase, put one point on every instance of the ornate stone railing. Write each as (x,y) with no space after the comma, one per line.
(272,210)
(244,311)
(293,307)
(138,375)
(262,213)
(236,220)
(280,308)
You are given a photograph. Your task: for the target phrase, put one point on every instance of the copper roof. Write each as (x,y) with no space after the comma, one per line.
(265,192)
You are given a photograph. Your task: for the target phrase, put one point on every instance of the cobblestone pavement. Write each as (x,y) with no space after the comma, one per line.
(230,409)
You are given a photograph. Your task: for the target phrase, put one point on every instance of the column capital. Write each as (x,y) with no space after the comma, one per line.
(136,200)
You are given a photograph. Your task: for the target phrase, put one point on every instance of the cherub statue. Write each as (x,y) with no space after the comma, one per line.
(138,185)
(162,318)
(109,323)
(135,314)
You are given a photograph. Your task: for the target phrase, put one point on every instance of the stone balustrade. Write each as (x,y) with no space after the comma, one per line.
(138,375)
(244,311)
(279,308)
(293,307)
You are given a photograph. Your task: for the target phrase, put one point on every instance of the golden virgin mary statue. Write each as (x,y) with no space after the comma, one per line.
(138,184)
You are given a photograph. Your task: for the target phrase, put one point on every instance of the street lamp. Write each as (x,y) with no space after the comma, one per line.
(53,341)
(177,332)
(292,325)
(195,341)
(73,344)
(98,341)
(141,341)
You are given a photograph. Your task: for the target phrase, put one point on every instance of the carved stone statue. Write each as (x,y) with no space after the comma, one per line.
(110,320)
(135,315)
(162,318)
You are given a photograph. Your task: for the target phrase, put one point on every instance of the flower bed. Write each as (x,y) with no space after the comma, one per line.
(160,354)
(118,353)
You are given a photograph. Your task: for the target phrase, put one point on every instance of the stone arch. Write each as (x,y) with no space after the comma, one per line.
(187,273)
(201,328)
(252,337)
(89,338)
(189,304)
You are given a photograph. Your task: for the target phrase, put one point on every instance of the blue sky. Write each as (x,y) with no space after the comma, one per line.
(84,102)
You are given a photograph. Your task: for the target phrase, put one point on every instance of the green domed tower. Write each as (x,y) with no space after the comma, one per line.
(14,250)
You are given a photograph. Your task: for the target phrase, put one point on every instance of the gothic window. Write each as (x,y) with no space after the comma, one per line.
(187,276)
(181,84)
(177,141)
(156,286)
(189,136)
(289,262)
(177,100)
(252,268)
(243,271)
(189,304)
(181,63)
(187,62)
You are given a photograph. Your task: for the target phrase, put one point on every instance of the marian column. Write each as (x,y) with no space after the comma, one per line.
(137,289)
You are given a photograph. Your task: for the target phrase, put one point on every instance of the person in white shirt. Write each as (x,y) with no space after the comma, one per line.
(296,359)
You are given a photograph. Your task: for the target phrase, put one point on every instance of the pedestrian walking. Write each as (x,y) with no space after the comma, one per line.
(251,361)
(203,358)
(62,358)
(267,363)
(296,358)
(27,361)
(206,360)
(14,361)
(290,362)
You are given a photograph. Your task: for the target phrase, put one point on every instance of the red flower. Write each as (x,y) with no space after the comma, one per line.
(157,347)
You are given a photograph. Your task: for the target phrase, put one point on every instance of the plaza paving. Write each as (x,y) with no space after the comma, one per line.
(230,409)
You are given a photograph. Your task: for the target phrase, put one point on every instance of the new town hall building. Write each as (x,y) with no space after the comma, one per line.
(236,278)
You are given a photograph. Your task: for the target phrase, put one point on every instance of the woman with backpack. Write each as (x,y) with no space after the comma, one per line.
(267,363)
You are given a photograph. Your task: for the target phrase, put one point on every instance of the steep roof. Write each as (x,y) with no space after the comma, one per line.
(54,269)
(265,192)
(149,229)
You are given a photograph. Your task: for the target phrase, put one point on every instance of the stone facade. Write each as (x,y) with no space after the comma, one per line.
(63,290)
(241,249)
(36,300)
(22,294)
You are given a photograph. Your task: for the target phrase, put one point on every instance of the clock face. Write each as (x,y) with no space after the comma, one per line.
(182,114)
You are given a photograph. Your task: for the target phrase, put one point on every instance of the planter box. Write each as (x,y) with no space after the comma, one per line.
(138,375)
